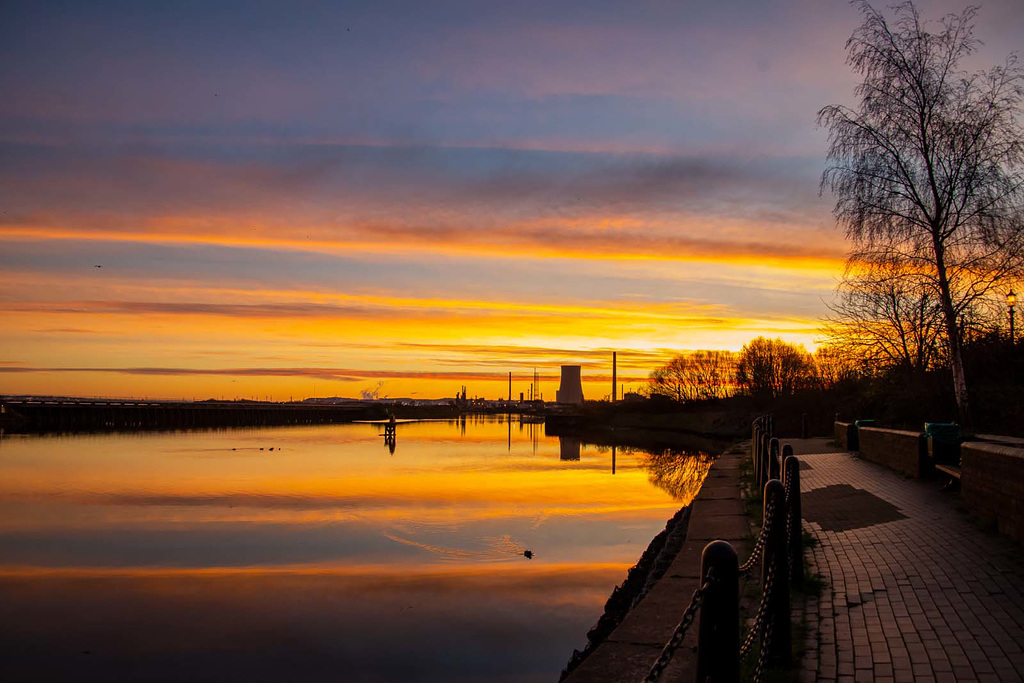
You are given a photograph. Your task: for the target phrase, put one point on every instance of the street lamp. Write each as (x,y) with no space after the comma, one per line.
(1011,301)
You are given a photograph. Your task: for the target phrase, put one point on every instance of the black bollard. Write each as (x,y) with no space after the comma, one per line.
(795,541)
(776,560)
(803,425)
(774,463)
(787,451)
(718,634)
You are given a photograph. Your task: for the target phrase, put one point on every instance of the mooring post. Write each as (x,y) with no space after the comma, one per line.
(803,425)
(776,564)
(794,531)
(718,634)
(774,463)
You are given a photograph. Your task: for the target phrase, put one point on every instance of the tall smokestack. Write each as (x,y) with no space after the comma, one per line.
(509,387)
(614,364)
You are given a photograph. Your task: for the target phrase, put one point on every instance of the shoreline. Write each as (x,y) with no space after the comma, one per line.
(628,652)
(640,579)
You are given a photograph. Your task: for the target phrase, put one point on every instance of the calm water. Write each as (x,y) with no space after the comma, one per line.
(208,557)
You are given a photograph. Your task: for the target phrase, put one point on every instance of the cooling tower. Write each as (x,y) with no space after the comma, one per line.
(570,389)
(569,448)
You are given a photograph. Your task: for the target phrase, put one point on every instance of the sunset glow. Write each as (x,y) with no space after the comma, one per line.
(409,201)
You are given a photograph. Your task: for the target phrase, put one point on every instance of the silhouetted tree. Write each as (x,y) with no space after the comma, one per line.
(768,368)
(834,364)
(711,373)
(698,376)
(670,380)
(886,317)
(927,166)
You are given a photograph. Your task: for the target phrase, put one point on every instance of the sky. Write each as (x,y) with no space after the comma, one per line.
(320,198)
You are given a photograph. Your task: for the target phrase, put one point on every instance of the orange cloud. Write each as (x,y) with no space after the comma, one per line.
(600,237)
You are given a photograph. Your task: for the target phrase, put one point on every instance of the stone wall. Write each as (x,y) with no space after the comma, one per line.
(992,484)
(895,448)
(842,433)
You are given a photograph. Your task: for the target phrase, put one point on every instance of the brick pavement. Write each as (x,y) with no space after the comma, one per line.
(921,595)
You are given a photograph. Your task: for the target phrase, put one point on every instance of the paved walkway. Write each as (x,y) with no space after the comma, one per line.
(913,590)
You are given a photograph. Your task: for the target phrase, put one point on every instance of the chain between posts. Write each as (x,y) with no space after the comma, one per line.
(677,636)
(762,625)
(758,551)
(762,610)
(762,658)
(789,518)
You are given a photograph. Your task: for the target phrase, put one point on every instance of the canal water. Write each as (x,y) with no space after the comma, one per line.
(316,554)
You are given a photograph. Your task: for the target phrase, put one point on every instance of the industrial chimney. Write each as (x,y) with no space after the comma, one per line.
(614,363)
(570,390)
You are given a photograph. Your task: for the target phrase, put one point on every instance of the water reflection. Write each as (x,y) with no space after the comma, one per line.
(680,474)
(569,448)
(200,556)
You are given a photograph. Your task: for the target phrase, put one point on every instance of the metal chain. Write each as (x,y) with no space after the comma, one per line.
(755,554)
(677,636)
(762,538)
(789,489)
(762,609)
(760,624)
(762,658)
(789,518)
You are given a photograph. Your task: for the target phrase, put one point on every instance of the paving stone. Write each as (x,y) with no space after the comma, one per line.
(912,588)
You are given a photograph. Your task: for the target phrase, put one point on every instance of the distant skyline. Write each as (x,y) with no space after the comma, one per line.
(220,199)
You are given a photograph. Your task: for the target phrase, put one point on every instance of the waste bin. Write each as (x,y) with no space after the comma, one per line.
(943,442)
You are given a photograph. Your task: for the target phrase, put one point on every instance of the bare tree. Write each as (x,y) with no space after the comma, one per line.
(768,368)
(887,317)
(834,364)
(711,373)
(698,376)
(927,166)
(670,380)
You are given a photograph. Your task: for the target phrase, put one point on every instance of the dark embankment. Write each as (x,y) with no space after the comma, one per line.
(651,566)
(659,420)
(78,415)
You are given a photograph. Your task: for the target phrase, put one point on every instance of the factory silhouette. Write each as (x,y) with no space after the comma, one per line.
(570,388)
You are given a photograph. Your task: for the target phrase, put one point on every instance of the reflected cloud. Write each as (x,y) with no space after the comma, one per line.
(331,620)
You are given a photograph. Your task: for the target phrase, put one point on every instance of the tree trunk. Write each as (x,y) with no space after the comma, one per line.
(956,363)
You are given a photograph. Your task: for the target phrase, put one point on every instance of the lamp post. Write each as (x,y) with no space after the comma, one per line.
(1011,301)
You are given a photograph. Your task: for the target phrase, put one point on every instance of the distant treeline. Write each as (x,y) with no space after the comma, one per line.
(839,377)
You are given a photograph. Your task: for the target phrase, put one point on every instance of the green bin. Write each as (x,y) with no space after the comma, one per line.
(943,442)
